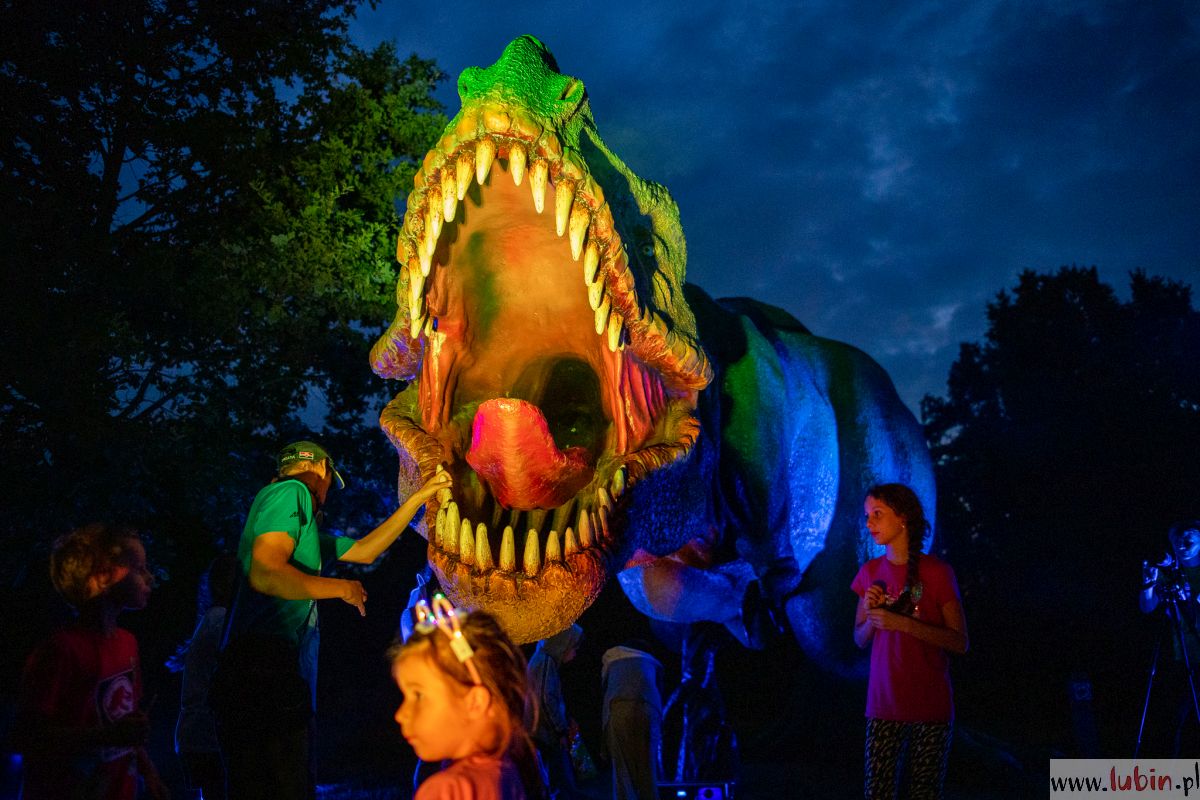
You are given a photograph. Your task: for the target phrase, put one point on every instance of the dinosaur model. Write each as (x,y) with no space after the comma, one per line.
(598,414)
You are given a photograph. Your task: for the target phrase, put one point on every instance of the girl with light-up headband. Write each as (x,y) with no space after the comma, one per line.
(466,700)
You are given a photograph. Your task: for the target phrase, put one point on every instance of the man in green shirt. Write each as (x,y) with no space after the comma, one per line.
(265,688)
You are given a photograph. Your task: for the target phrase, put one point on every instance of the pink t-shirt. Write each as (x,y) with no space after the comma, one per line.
(478,777)
(910,679)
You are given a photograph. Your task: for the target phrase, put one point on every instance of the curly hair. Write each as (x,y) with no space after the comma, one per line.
(81,559)
(502,671)
(904,502)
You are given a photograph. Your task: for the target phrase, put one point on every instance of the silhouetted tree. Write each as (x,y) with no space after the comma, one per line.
(199,219)
(1076,423)
(1067,443)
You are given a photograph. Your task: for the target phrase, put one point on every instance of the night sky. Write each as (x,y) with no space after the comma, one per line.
(880,170)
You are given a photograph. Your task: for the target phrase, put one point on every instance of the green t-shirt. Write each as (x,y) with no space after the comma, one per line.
(285,506)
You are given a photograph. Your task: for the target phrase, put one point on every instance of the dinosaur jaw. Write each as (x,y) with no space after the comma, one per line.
(546,397)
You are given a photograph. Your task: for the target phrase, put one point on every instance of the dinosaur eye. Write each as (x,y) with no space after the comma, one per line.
(646,251)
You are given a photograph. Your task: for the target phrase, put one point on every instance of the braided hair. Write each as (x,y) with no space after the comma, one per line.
(904,502)
(502,671)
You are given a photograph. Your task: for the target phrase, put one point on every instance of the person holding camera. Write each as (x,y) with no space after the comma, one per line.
(1178,575)
(1174,583)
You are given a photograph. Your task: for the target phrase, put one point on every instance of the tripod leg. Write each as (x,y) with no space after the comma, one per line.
(1149,686)
(1187,664)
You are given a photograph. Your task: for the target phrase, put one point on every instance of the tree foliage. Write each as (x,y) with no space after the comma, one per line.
(1064,448)
(1074,426)
(199,220)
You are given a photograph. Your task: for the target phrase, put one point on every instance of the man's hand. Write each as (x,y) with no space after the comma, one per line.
(354,594)
(440,480)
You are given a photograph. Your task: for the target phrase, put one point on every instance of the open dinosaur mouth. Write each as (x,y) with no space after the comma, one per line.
(543,386)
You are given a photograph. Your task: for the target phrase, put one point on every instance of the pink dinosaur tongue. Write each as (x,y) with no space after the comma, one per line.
(512,451)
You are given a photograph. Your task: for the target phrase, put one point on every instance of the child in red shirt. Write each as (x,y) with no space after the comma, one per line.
(79,721)
(910,615)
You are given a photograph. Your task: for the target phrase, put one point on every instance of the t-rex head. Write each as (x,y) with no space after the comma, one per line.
(552,361)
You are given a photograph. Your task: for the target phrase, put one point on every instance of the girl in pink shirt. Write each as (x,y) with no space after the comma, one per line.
(910,615)
(466,699)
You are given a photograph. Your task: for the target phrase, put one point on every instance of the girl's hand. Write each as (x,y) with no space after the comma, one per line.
(874,596)
(883,620)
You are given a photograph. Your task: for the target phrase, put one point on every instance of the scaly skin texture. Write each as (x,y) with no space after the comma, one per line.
(598,414)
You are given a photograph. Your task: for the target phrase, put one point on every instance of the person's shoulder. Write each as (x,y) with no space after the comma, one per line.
(936,570)
(934,564)
(283,488)
(466,779)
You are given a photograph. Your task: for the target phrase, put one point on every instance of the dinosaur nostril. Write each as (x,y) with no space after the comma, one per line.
(569,90)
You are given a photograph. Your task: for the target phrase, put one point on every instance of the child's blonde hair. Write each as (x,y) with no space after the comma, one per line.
(86,562)
(501,668)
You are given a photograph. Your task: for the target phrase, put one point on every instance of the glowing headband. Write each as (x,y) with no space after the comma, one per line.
(440,615)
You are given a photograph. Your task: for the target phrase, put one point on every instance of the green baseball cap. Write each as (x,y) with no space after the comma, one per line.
(307,451)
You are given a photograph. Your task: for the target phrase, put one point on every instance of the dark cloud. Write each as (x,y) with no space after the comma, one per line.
(881,170)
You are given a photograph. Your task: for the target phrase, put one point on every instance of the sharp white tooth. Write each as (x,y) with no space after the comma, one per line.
(538,176)
(533,558)
(553,552)
(562,515)
(452,525)
(483,550)
(425,255)
(618,483)
(602,315)
(449,197)
(516,163)
(601,523)
(462,175)
(466,543)
(615,327)
(416,295)
(595,294)
(485,154)
(497,513)
(439,527)
(415,326)
(602,498)
(570,543)
(585,528)
(428,328)
(577,229)
(433,222)
(564,196)
(537,518)
(508,550)
(591,262)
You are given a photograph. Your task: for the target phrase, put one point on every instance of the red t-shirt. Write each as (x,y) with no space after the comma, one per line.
(478,777)
(81,678)
(910,679)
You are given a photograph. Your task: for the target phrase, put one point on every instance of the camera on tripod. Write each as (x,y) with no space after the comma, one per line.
(1168,580)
